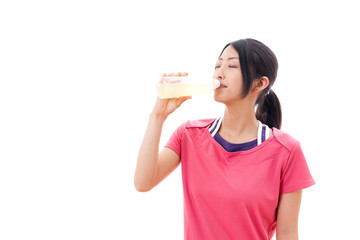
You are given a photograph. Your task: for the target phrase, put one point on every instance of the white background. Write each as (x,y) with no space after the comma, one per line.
(77,85)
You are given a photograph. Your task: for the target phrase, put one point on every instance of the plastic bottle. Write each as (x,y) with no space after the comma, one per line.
(171,87)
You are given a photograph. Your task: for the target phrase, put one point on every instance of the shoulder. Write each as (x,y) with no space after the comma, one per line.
(285,139)
(194,124)
(200,123)
(191,126)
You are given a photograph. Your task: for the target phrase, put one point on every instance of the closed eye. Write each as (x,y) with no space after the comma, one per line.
(230,66)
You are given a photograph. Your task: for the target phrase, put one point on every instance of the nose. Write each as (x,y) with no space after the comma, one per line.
(218,74)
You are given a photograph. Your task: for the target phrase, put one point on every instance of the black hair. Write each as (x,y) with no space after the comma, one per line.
(256,61)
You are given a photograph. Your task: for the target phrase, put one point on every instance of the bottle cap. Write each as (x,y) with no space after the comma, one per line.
(216,83)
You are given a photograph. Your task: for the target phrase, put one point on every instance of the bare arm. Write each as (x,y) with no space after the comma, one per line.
(152,167)
(287,216)
(147,162)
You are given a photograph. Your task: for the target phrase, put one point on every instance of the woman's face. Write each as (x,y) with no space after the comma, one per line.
(228,72)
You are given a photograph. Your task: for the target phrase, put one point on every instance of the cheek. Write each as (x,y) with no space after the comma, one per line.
(235,91)
(236,86)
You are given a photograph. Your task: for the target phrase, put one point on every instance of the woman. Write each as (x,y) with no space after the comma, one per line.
(242,176)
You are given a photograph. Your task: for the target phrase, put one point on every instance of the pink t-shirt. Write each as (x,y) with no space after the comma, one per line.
(234,195)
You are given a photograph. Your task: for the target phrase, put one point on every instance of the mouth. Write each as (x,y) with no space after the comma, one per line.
(222,86)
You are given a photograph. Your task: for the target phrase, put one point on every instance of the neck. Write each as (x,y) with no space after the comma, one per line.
(239,121)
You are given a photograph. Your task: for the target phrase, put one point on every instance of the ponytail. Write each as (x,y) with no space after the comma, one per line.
(269,110)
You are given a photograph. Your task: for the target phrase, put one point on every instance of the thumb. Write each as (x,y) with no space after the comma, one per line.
(180,100)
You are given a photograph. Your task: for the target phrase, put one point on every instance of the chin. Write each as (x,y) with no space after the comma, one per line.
(225,98)
(219,97)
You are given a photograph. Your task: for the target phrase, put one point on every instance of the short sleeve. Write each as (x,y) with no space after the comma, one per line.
(174,141)
(296,174)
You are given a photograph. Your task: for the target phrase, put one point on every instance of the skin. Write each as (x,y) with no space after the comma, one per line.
(239,125)
(152,167)
(239,121)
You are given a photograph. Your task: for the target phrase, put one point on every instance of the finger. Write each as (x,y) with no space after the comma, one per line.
(180,100)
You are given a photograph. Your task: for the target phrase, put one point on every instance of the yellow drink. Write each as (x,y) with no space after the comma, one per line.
(180,89)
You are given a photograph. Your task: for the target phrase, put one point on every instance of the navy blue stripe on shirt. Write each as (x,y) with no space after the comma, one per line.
(263,134)
(214,126)
(235,147)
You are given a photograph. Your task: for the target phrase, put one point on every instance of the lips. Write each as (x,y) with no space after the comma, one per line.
(222,85)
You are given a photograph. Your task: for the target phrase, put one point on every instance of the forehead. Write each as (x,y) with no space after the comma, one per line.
(229,52)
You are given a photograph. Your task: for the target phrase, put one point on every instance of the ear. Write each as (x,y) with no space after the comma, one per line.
(260,84)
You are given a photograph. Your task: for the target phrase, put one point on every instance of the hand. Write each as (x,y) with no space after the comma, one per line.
(164,107)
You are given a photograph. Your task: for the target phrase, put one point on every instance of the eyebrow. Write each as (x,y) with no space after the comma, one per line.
(229,58)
